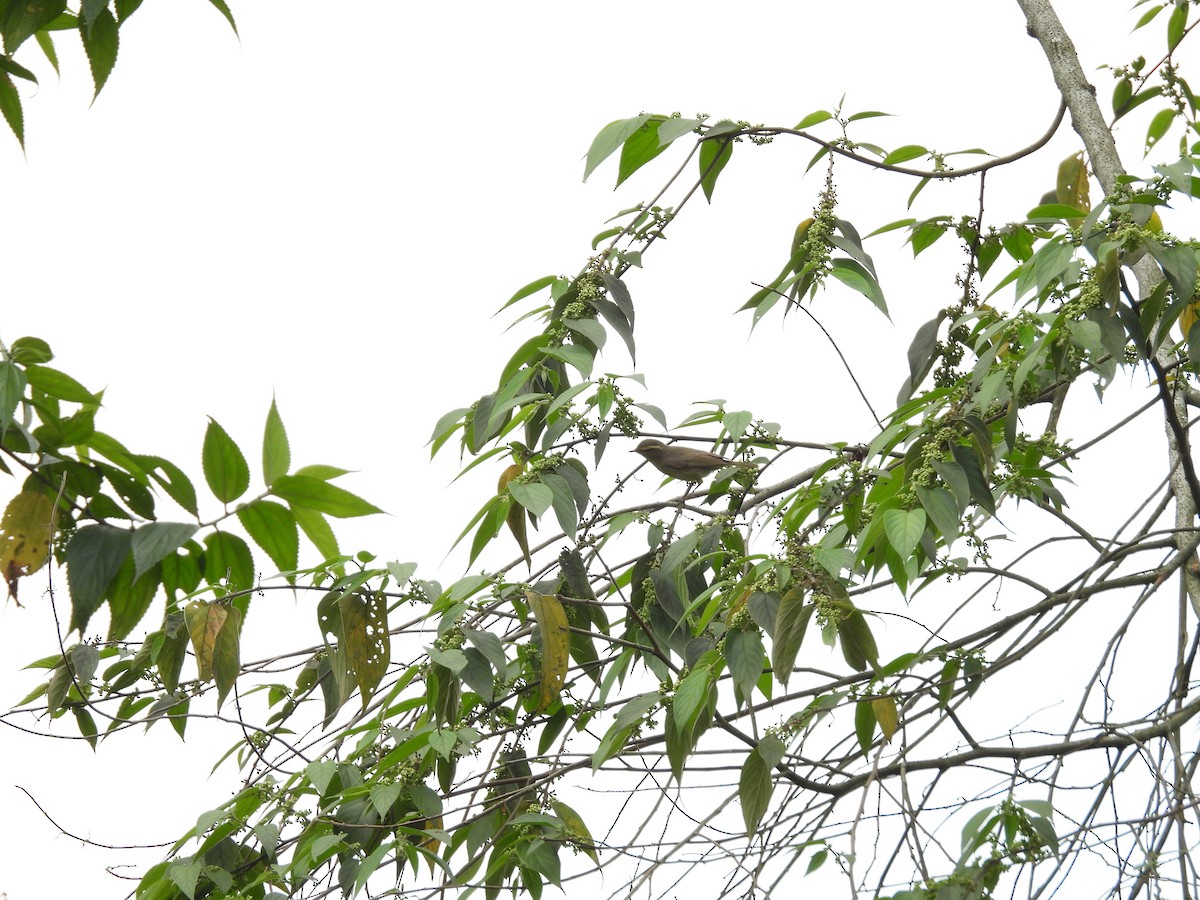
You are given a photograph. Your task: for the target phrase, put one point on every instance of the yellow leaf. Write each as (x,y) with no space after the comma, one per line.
(516,512)
(1072,188)
(556,643)
(886,715)
(1187,318)
(25,534)
(204,623)
(366,639)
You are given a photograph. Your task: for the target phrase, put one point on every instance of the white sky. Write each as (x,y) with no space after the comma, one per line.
(330,209)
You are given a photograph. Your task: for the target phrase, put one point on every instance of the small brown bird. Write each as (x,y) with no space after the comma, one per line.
(684,463)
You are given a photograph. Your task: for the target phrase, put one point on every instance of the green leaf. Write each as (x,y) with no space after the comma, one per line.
(529,290)
(150,543)
(790,623)
(225,467)
(227,654)
(864,724)
(942,510)
(640,148)
(858,644)
(854,275)
(227,560)
(1159,126)
(58,384)
(1178,264)
(317,530)
(100,43)
(273,527)
(745,653)
(535,497)
(313,493)
(814,118)
(12,389)
(755,784)
(563,502)
(1176,26)
(94,556)
(572,355)
(47,44)
(1055,212)
(129,598)
(904,154)
(714,156)
(690,697)
(904,529)
(224,10)
(19,19)
(277,455)
(611,136)
(10,106)
(576,828)
(172,480)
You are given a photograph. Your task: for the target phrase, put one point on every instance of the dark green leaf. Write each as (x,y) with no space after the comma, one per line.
(94,556)
(151,542)
(864,724)
(227,560)
(129,598)
(858,644)
(968,460)
(790,624)
(563,502)
(100,43)
(21,18)
(745,653)
(714,156)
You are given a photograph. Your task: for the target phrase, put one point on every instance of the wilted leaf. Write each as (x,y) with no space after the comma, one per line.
(556,643)
(25,534)
(204,622)
(886,715)
(365,638)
